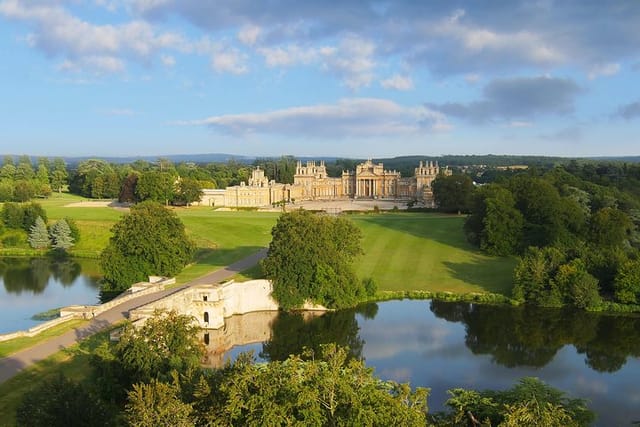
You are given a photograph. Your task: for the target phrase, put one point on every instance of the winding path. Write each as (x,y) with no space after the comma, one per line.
(11,365)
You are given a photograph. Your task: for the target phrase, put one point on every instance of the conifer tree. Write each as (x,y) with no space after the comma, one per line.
(39,236)
(61,237)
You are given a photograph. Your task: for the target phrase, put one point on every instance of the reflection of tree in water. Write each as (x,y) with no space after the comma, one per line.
(66,271)
(291,332)
(531,336)
(27,275)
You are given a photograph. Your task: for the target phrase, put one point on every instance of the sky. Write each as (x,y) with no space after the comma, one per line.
(327,78)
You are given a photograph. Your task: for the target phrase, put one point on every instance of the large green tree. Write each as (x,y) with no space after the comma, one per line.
(310,259)
(157,186)
(151,240)
(453,193)
(494,224)
(325,389)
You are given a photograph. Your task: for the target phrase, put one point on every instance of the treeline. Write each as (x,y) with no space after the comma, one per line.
(21,181)
(153,376)
(575,228)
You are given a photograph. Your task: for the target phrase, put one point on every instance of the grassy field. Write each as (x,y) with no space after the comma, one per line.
(412,251)
(17,344)
(403,251)
(223,237)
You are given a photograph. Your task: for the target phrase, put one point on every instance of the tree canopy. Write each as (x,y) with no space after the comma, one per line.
(310,259)
(151,240)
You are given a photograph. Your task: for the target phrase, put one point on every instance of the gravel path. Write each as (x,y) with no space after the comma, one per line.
(11,365)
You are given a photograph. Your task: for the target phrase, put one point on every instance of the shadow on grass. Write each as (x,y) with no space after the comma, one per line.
(441,228)
(222,257)
(95,326)
(491,274)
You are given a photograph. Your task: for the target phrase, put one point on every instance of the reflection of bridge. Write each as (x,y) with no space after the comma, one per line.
(238,330)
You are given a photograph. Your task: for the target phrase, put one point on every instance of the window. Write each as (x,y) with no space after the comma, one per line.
(204,297)
(206,338)
(206,317)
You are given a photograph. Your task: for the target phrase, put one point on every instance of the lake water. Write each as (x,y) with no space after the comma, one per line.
(447,345)
(30,286)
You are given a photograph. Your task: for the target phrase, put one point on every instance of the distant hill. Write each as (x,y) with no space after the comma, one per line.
(400,163)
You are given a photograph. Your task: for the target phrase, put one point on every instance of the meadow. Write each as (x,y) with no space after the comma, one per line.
(402,251)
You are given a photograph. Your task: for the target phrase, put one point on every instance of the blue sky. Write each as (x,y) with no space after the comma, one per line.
(347,78)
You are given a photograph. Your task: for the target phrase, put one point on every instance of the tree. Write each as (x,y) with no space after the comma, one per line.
(534,274)
(39,236)
(73,228)
(61,402)
(12,215)
(165,346)
(61,236)
(453,193)
(609,227)
(157,404)
(627,282)
(309,259)
(327,389)
(151,240)
(189,191)
(59,175)
(30,212)
(529,403)
(578,286)
(494,224)
(156,186)
(128,189)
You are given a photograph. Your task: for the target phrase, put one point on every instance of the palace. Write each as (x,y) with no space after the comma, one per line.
(311,182)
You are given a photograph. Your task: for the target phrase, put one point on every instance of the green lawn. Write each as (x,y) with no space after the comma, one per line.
(17,344)
(413,251)
(223,237)
(403,251)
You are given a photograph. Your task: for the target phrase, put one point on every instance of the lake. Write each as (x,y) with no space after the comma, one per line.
(30,286)
(447,345)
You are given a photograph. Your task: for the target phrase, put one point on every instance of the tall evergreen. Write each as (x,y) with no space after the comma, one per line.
(38,236)
(61,235)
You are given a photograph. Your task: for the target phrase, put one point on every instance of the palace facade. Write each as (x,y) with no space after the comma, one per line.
(311,182)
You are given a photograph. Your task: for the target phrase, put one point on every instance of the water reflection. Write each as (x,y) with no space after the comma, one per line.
(531,336)
(447,345)
(34,274)
(291,332)
(29,286)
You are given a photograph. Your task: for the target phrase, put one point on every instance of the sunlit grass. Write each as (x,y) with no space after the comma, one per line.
(12,346)
(414,251)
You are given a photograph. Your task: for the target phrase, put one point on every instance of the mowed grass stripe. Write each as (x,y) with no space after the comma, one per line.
(427,252)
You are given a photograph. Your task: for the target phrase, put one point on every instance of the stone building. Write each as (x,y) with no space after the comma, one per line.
(311,182)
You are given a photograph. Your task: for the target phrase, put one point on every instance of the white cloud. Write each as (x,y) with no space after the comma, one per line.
(249,34)
(352,61)
(352,117)
(524,46)
(603,70)
(397,82)
(96,63)
(229,61)
(290,55)
(168,60)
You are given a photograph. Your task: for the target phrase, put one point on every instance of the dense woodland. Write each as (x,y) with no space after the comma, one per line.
(575,228)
